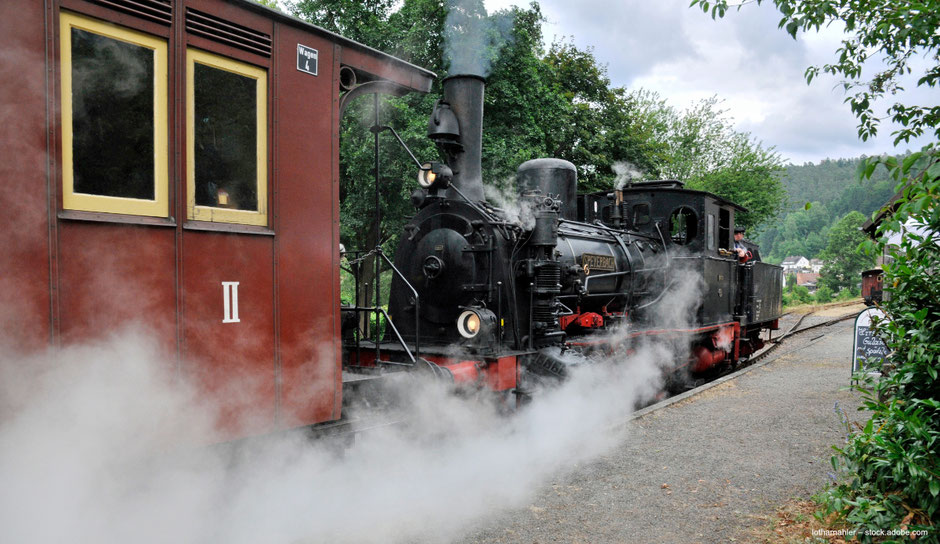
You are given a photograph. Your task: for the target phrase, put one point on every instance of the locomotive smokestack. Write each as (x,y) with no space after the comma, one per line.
(464,93)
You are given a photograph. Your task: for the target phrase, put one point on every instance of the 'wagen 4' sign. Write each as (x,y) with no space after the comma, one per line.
(307,59)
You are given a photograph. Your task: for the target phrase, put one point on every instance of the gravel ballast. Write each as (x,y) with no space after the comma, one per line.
(704,468)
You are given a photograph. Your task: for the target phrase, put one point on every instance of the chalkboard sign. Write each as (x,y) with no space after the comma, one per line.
(867,347)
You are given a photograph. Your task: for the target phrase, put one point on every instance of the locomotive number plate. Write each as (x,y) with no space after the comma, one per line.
(603,263)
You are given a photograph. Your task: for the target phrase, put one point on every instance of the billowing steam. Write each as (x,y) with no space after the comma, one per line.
(473,39)
(505,197)
(100,443)
(626,173)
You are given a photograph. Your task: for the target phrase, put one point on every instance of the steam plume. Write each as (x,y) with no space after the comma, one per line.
(100,443)
(626,173)
(504,196)
(472,39)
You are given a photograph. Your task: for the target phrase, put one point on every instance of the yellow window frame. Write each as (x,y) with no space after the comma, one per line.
(159,206)
(260,75)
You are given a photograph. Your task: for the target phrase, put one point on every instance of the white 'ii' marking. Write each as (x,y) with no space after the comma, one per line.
(230,302)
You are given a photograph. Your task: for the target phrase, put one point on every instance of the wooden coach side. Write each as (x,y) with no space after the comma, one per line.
(237,282)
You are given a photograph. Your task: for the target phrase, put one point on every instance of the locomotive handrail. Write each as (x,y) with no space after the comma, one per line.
(588,279)
(417,305)
(473,205)
(397,335)
(403,144)
(361,256)
(388,321)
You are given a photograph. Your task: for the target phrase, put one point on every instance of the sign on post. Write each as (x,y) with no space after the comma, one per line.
(867,347)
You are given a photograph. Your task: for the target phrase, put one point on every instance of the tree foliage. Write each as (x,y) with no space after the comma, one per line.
(832,189)
(804,232)
(893,463)
(844,260)
(705,151)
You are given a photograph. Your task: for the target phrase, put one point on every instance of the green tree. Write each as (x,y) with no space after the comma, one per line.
(844,259)
(599,125)
(824,294)
(707,153)
(803,232)
(365,21)
(832,184)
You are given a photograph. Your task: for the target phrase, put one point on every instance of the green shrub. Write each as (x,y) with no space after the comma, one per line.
(802,294)
(892,465)
(824,295)
(845,294)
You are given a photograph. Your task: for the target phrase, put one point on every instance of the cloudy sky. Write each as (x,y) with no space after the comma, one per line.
(744,59)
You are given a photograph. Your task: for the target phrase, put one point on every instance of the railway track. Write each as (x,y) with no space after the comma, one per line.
(794,329)
(752,361)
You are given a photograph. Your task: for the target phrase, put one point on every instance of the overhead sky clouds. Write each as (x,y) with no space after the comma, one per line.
(753,66)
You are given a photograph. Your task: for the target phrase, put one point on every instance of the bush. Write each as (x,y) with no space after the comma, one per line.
(823,295)
(845,294)
(892,464)
(802,294)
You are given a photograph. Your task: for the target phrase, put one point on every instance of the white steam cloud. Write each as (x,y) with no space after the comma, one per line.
(626,173)
(105,443)
(515,209)
(473,39)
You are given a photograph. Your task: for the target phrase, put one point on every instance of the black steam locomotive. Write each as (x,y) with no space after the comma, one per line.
(488,295)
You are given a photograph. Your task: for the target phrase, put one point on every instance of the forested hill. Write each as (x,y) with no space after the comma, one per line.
(834,183)
(832,189)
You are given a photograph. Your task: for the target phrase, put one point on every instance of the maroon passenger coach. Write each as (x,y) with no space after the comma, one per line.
(174,163)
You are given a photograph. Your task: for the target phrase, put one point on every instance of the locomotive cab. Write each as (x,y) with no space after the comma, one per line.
(696,228)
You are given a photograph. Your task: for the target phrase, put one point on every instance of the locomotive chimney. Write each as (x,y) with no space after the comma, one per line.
(464,93)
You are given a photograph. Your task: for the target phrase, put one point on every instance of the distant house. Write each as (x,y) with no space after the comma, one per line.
(794,264)
(816,265)
(807,279)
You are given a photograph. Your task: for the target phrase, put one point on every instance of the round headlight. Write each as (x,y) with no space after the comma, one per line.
(426,177)
(468,324)
(434,174)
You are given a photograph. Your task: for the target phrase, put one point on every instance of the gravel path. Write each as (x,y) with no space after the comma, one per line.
(704,468)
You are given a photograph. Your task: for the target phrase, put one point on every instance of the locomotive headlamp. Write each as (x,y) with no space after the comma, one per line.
(434,174)
(474,321)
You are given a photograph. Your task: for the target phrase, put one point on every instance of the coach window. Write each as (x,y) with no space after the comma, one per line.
(114,118)
(227,140)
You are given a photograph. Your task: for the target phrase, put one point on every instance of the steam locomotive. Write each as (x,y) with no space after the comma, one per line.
(492,297)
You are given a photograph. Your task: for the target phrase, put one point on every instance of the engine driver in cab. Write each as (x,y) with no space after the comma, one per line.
(740,247)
